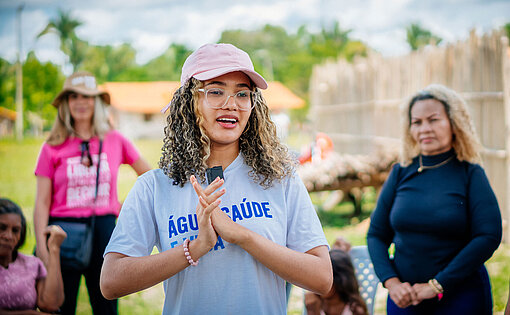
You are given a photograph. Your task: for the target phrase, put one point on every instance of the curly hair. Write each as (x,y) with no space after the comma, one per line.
(345,283)
(464,140)
(186,147)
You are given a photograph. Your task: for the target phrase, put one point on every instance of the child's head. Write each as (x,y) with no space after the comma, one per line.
(344,281)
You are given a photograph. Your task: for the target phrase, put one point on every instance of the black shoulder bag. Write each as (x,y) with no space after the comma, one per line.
(76,250)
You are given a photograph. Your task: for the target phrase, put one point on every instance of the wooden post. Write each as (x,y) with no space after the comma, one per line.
(19,79)
(505,209)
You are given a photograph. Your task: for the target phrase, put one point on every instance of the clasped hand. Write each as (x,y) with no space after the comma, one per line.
(56,235)
(212,221)
(404,295)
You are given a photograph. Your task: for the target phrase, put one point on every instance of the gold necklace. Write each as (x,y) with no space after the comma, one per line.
(426,167)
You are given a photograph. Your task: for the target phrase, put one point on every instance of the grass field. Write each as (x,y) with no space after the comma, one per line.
(17,182)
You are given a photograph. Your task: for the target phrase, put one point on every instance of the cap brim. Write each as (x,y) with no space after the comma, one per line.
(211,74)
(104,95)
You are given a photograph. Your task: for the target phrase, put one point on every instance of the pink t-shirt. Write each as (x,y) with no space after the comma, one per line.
(18,283)
(74,184)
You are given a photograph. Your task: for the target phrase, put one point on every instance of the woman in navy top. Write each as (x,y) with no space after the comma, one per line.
(438,209)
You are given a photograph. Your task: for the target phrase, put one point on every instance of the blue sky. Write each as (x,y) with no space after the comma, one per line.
(151,25)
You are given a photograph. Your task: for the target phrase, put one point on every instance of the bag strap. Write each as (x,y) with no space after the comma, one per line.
(98,166)
(93,217)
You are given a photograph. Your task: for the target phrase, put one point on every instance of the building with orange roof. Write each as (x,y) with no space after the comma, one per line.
(136,106)
(7,121)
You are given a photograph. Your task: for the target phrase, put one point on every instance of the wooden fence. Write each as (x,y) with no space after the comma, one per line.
(357,104)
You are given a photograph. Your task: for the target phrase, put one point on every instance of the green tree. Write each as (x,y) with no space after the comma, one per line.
(109,63)
(268,48)
(418,36)
(118,63)
(7,84)
(292,56)
(328,42)
(289,58)
(168,66)
(64,26)
(506,29)
(41,83)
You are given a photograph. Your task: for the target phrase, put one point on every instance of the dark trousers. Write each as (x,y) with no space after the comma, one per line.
(104,226)
(472,296)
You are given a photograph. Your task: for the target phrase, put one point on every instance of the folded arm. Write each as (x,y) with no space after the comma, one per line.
(147,271)
(311,270)
(50,290)
(143,272)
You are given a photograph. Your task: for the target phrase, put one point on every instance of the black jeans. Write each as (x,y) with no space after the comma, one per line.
(104,226)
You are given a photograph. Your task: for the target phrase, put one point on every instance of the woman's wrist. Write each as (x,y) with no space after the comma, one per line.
(41,241)
(241,236)
(54,249)
(41,249)
(436,287)
(197,248)
(391,282)
(185,247)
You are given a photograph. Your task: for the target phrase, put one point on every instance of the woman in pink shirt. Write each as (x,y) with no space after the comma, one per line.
(26,285)
(76,174)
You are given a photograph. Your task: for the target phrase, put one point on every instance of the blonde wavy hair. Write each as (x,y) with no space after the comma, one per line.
(63,127)
(186,146)
(464,141)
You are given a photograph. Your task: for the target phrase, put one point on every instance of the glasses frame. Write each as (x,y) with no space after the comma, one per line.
(252,95)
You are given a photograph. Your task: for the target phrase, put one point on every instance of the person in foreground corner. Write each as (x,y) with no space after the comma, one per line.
(438,209)
(226,247)
(27,287)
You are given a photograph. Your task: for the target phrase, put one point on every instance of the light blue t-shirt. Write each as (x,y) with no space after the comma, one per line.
(227,280)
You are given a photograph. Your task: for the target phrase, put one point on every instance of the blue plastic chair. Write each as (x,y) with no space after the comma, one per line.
(367,279)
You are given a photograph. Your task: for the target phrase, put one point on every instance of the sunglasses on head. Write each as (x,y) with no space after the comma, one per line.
(86,158)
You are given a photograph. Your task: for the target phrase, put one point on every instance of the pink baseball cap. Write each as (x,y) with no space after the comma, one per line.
(213,60)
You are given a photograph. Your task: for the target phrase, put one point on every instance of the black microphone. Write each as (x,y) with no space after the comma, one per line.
(213,172)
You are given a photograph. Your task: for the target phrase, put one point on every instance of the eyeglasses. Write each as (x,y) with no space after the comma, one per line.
(217,98)
(86,158)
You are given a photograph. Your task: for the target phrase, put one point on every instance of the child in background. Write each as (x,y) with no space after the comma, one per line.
(344,297)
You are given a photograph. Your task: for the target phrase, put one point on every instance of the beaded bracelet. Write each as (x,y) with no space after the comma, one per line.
(187,254)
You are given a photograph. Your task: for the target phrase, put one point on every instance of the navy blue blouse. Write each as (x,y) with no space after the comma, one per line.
(445,222)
